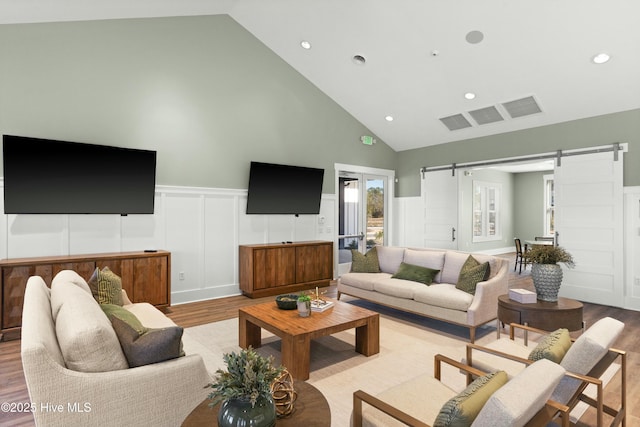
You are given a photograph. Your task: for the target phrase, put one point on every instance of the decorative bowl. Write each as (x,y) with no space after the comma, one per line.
(287,302)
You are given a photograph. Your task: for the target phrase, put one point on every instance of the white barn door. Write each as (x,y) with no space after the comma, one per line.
(440,195)
(589,224)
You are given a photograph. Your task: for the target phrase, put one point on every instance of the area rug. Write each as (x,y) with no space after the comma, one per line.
(407,346)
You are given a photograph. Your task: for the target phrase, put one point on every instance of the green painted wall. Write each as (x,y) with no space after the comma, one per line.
(202,91)
(601,130)
(528,201)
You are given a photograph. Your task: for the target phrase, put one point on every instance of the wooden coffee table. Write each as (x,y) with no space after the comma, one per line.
(311,410)
(297,332)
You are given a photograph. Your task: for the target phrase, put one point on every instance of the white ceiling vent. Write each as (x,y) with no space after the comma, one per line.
(522,107)
(455,122)
(486,115)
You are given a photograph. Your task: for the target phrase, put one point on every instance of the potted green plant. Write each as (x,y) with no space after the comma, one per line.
(545,271)
(304,305)
(245,390)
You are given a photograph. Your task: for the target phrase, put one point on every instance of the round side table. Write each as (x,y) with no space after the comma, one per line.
(548,316)
(311,410)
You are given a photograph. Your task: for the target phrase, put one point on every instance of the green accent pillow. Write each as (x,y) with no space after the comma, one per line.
(471,273)
(367,263)
(112,310)
(106,286)
(552,346)
(463,408)
(415,273)
(155,345)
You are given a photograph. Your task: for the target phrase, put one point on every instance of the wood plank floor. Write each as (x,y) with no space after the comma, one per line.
(13,387)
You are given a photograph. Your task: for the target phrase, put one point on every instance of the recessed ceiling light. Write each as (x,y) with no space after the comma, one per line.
(601,58)
(359,59)
(469,95)
(305,44)
(389,118)
(474,37)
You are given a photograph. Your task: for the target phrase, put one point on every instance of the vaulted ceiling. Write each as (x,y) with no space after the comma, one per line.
(415,60)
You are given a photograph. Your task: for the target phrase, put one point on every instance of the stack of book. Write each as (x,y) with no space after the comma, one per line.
(320,305)
(523,296)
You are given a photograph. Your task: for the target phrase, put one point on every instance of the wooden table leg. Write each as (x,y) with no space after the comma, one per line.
(368,337)
(296,354)
(248,333)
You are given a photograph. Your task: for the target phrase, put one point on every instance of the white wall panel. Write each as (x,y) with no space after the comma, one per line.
(90,234)
(409,214)
(184,234)
(220,241)
(37,235)
(201,227)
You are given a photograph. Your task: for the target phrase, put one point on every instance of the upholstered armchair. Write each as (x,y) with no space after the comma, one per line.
(586,359)
(490,400)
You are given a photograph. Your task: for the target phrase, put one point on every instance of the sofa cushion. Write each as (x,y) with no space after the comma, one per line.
(453,262)
(443,295)
(397,287)
(552,346)
(106,286)
(426,258)
(389,258)
(462,409)
(522,397)
(364,281)
(585,352)
(415,273)
(471,273)
(365,263)
(112,310)
(86,338)
(73,277)
(153,346)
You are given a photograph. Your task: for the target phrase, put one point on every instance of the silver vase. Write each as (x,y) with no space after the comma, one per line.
(547,279)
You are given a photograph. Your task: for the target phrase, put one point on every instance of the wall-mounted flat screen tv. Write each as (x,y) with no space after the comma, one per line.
(284,189)
(43,176)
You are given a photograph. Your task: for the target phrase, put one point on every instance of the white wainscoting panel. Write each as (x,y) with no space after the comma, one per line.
(201,227)
(409,220)
(37,235)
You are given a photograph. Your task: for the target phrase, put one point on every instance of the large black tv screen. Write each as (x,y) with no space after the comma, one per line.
(43,176)
(284,189)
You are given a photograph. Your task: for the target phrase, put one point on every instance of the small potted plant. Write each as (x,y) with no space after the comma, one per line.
(304,305)
(545,271)
(245,390)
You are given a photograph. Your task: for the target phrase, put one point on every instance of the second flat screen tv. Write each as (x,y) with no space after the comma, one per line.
(284,189)
(43,176)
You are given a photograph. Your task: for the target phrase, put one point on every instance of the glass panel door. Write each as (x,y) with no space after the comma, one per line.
(361,213)
(375,211)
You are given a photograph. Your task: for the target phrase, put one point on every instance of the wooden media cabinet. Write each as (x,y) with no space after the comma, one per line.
(146,276)
(279,268)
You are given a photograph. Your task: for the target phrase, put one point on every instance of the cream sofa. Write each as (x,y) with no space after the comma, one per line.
(440,300)
(76,371)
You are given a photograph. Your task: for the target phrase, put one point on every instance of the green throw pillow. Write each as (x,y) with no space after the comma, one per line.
(471,273)
(153,346)
(112,310)
(106,286)
(367,263)
(415,273)
(463,408)
(552,346)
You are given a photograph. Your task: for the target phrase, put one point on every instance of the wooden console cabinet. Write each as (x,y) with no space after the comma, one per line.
(278,268)
(146,276)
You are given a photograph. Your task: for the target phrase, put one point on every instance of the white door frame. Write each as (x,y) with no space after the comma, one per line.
(388,195)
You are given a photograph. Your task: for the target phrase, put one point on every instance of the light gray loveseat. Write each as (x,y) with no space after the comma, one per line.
(439,300)
(75,369)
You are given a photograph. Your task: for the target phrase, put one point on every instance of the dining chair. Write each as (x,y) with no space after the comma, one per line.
(520,255)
